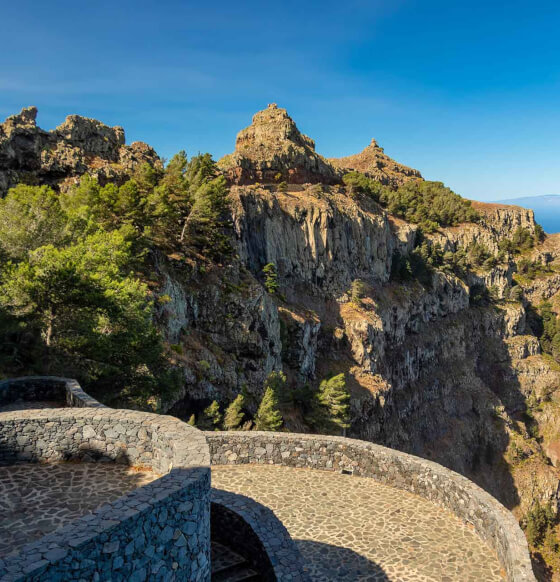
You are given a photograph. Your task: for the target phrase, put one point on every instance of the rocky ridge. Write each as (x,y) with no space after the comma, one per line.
(430,371)
(375,163)
(80,145)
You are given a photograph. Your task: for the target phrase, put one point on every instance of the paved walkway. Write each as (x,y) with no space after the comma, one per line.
(36,499)
(356,529)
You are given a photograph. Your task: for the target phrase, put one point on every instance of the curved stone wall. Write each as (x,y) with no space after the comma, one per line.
(160,531)
(492,522)
(61,391)
(253,530)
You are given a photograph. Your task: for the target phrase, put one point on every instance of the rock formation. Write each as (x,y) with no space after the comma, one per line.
(272,149)
(79,145)
(430,370)
(376,164)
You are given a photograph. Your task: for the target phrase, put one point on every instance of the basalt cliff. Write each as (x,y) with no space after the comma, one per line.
(451,369)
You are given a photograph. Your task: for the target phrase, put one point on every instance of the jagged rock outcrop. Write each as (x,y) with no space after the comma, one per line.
(272,149)
(31,155)
(375,163)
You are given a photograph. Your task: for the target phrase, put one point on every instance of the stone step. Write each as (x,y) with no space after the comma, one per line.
(240,573)
(229,566)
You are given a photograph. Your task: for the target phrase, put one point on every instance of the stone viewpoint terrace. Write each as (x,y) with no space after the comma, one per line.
(92,493)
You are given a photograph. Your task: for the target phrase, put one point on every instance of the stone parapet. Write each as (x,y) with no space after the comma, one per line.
(259,533)
(61,391)
(492,522)
(159,532)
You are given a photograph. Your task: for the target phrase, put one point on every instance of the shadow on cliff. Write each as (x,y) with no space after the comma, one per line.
(333,563)
(436,393)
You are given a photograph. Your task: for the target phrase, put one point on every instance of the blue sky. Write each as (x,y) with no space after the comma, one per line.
(467,92)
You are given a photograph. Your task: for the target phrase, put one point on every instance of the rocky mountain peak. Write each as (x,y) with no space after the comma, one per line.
(273,149)
(25,119)
(79,145)
(90,134)
(374,162)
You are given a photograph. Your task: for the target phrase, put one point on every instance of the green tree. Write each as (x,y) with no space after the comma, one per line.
(429,204)
(357,185)
(30,217)
(93,316)
(234,413)
(211,417)
(270,278)
(268,416)
(333,400)
(357,292)
(277,382)
(208,221)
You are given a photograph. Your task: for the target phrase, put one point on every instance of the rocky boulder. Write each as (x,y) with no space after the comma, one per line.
(79,145)
(272,149)
(375,163)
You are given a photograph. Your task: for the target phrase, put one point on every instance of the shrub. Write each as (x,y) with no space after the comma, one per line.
(537,522)
(429,204)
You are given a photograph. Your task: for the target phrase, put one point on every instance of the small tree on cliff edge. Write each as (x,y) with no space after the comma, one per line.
(270,278)
(234,413)
(268,416)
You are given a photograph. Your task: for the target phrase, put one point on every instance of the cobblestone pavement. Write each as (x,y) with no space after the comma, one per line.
(36,499)
(354,528)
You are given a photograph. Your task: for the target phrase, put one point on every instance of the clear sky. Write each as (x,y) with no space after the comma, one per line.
(467,92)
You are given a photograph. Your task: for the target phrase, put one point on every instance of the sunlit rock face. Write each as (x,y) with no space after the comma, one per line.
(28,154)
(375,163)
(272,149)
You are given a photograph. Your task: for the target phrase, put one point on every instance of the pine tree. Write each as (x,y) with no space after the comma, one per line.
(333,397)
(277,381)
(234,413)
(192,420)
(268,416)
(208,220)
(270,278)
(211,417)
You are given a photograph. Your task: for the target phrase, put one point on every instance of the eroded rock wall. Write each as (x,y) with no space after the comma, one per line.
(80,145)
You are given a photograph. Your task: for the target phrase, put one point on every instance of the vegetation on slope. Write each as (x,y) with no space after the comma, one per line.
(429,204)
(74,273)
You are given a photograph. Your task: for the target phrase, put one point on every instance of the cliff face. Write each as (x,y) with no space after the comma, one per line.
(429,373)
(431,370)
(79,145)
(498,222)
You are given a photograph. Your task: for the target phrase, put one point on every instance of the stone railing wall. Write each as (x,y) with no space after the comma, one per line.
(62,391)
(492,522)
(253,530)
(160,531)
